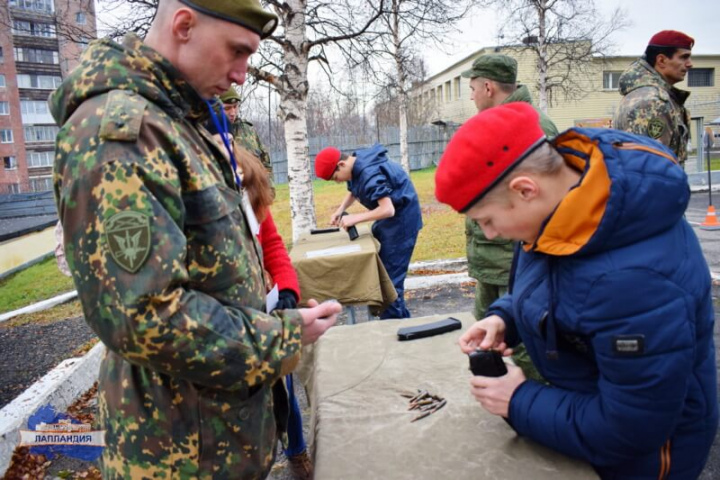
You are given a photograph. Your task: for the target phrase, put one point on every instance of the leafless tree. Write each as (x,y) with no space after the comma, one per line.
(565,36)
(406,27)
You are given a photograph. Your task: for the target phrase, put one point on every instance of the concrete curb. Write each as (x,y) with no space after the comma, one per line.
(43,305)
(414,283)
(59,388)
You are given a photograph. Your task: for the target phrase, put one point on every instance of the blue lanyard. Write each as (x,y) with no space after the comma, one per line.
(224,131)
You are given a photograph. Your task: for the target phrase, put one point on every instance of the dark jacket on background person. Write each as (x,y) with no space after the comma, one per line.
(168,273)
(621,329)
(374,176)
(652,107)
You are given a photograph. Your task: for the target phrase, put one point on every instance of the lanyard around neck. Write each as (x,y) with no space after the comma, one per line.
(224,132)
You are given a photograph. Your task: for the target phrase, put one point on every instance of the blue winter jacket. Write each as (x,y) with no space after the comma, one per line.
(374,176)
(613,302)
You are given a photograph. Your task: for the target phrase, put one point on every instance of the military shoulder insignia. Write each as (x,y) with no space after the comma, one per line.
(123,116)
(656,127)
(128,238)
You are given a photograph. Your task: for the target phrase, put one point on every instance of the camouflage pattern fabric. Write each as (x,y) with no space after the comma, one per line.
(652,107)
(168,273)
(247,138)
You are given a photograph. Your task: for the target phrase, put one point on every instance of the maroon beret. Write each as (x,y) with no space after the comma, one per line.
(672,38)
(484,150)
(326,161)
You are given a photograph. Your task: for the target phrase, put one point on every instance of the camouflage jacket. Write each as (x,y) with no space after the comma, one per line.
(167,271)
(652,107)
(489,260)
(247,138)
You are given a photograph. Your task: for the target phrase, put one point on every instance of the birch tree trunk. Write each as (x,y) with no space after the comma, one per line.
(400,70)
(542,64)
(293,112)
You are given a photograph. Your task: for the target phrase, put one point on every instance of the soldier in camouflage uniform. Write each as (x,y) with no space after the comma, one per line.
(166,267)
(244,131)
(493,82)
(651,105)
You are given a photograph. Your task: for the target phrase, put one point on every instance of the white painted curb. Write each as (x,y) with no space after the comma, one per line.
(59,388)
(36,307)
(412,283)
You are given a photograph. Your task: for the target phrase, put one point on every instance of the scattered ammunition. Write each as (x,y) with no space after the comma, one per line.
(424,402)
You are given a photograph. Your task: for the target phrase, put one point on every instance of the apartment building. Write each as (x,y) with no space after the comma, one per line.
(40,42)
(449,93)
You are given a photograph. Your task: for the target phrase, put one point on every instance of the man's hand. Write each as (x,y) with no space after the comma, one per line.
(494,394)
(317,319)
(348,220)
(487,334)
(335,218)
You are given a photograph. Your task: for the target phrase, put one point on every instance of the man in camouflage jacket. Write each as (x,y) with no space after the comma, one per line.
(651,105)
(244,131)
(166,267)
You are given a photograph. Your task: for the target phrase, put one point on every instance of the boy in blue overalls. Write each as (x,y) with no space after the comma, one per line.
(386,191)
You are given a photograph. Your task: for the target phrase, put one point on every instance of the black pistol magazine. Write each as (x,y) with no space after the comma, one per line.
(429,329)
(488,363)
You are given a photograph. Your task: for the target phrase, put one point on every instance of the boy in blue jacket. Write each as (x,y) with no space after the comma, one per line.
(611,293)
(387,192)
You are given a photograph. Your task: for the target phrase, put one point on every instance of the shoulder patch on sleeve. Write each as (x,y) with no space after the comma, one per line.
(123,116)
(127,234)
(656,127)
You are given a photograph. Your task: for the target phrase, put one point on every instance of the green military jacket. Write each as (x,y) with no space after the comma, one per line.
(652,107)
(247,138)
(489,261)
(167,271)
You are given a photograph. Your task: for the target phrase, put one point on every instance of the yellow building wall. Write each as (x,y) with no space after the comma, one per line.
(597,104)
(18,251)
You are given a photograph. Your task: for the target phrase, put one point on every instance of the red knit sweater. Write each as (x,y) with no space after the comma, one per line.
(276,258)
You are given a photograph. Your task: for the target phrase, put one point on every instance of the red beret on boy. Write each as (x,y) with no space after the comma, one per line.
(484,150)
(326,161)
(672,38)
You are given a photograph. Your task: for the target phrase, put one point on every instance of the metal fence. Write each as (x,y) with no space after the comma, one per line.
(425,146)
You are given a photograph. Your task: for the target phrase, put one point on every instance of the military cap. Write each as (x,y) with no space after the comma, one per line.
(484,151)
(230,96)
(246,13)
(500,68)
(671,38)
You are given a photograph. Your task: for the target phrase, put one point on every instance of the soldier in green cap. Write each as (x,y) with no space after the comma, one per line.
(244,132)
(164,257)
(493,81)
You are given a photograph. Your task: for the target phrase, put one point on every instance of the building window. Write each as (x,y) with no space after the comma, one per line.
(45,6)
(2,58)
(448,91)
(13,187)
(34,29)
(41,184)
(701,77)
(33,107)
(47,82)
(439,94)
(6,135)
(40,134)
(10,163)
(36,55)
(611,80)
(40,159)
(2,80)
(4,108)
(457,88)
(80,18)
(83,42)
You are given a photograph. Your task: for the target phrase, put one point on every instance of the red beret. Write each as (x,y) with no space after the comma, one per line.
(485,149)
(672,38)
(326,161)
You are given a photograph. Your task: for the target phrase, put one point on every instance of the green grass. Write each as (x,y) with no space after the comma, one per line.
(443,234)
(39,282)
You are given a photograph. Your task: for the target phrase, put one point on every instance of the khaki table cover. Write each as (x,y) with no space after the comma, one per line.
(362,427)
(353,278)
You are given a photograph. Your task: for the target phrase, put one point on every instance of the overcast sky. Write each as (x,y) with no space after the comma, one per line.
(698,18)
